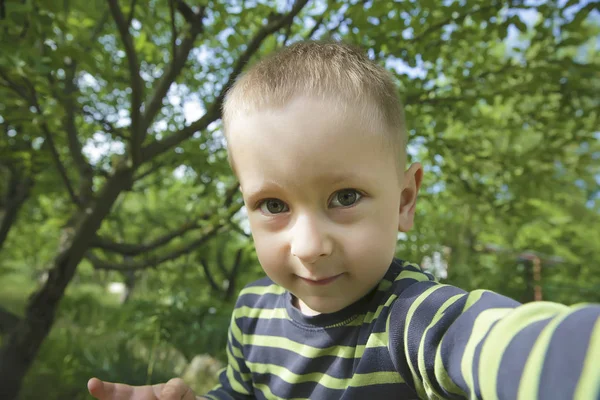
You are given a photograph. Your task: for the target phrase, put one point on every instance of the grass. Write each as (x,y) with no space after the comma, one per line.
(95,336)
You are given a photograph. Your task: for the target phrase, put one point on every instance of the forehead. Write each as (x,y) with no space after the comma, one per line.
(309,141)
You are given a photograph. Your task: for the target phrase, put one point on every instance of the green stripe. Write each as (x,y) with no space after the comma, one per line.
(372,316)
(441,375)
(481,326)
(530,379)
(376,378)
(328,381)
(384,285)
(473,298)
(411,311)
(235,384)
(266,391)
(262,313)
(419,276)
(279,342)
(236,332)
(589,381)
(210,396)
(232,361)
(499,338)
(272,289)
(233,365)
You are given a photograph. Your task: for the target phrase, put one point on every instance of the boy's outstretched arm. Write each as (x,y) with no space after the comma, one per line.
(452,344)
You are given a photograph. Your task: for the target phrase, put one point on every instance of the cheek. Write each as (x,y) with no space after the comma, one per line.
(373,236)
(271,251)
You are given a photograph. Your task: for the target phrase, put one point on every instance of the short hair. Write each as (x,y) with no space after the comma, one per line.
(323,70)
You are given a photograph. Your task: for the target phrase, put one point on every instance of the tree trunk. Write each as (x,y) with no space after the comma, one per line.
(18,191)
(24,340)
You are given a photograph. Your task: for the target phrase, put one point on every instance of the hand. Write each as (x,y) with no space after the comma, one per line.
(175,389)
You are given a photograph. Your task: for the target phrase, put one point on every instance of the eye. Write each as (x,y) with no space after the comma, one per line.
(273,206)
(345,198)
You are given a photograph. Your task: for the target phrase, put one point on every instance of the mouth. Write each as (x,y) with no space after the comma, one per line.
(321,282)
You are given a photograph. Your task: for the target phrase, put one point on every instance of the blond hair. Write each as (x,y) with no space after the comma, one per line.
(325,70)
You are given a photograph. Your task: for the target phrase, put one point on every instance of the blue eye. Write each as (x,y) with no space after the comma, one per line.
(345,198)
(273,206)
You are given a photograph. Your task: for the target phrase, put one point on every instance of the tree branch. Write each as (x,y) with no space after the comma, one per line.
(152,262)
(137,87)
(20,91)
(86,172)
(59,165)
(239,230)
(49,140)
(97,30)
(152,169)
(234,273)
(445,22)
(180,55)
(209,277)
(230,193)
(127,249)
(214,111)
(188,14)
(318,24)
(18,191)
(7,320)
(131,13)
(173,29)
(107,126)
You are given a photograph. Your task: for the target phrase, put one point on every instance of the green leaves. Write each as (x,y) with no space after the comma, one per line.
(501,105)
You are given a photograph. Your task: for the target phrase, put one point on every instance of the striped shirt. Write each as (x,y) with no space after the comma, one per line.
(411,337)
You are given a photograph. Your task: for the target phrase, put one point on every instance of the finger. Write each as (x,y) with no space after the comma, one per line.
(109,391)
(94,386)
(176,389)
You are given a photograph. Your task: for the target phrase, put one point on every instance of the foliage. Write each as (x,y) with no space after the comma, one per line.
(113,166)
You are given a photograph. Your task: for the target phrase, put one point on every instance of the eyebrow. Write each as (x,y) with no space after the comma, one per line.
(256,192)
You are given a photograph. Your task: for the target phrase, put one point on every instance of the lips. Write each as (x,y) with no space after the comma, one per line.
(321,282)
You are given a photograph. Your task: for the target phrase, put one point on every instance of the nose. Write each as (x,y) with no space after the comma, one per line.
(310,240)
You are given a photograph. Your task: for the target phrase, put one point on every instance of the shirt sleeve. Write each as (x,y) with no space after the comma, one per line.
(235,380)
(450,344)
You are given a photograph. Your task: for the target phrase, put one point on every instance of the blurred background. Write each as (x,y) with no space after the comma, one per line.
(123,241)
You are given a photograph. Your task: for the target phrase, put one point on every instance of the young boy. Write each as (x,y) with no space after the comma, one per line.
(317,139)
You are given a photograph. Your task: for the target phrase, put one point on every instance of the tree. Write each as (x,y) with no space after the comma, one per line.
(98,102)
(49,79)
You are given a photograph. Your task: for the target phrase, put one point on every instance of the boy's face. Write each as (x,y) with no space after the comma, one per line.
(324,200)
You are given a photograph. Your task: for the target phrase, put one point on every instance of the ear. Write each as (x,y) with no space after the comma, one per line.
(408,197)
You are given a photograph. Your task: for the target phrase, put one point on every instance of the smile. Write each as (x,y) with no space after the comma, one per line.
(321,282)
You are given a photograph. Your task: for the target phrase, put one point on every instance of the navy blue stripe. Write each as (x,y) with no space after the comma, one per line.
(456,338)
(397,324)
(422,318)
(336,367)
(338,336)
(567,351)
(314,390)
(265,301)
(514,358)
(435,336)
(475,367)
(383,391)
(281,388)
